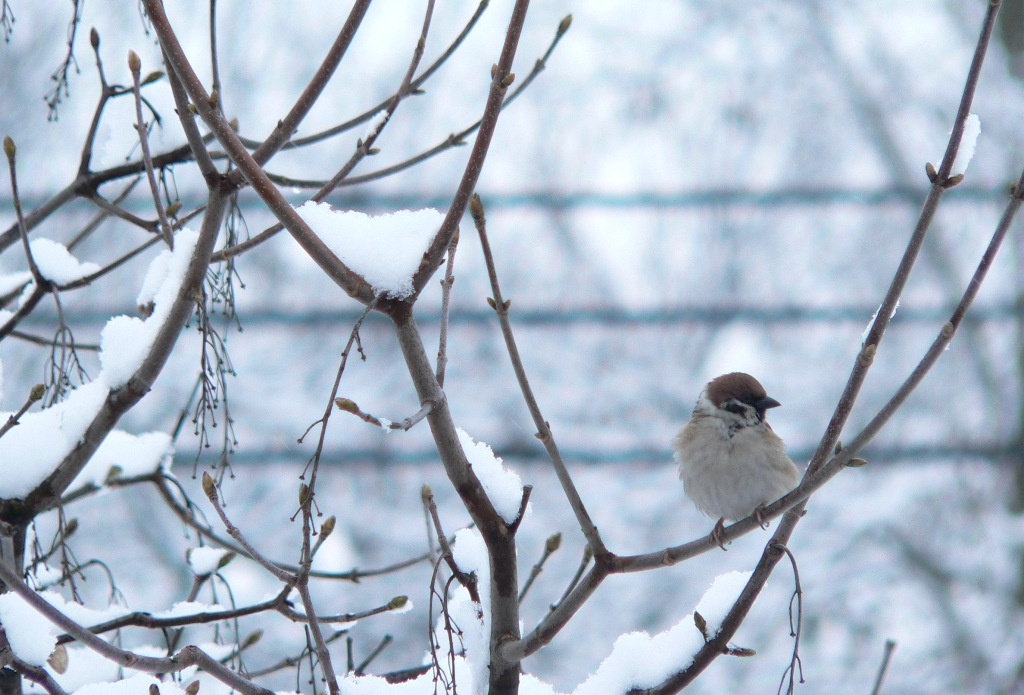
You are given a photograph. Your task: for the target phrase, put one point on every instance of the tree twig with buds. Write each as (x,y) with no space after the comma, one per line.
(773,553)
(544,434)
(446,291)
(10,151)
(210,488)
(353,338)
(34,394)
(406,424)
(466,580)
(551,546)
(181,660)
(135,67)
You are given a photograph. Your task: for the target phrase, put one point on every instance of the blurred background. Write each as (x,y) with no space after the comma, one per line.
(686,189)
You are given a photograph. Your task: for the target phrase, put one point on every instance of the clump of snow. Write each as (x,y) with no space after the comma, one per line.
(374,125)
(503,486)
(34,448)
(131,455)
(136,685)
(470,554)
(31,636)
(56,263)
(31,450)
(206,560)
(718,599)
(871,321)
(639,660)
(126,340)
(470,676)
(968,143)
(11,282)
(184,608)
(42,439)
(385,250)
(83,615)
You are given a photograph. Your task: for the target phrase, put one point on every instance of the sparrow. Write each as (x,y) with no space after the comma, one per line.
(730,461)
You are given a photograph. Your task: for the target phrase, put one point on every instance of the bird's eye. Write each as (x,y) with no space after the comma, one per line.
(734,407)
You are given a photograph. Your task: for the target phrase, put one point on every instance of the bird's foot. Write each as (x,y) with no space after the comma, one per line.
(717,531)
(758,515)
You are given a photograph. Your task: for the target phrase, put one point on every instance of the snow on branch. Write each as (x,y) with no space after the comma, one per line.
(43,439)
(385,250)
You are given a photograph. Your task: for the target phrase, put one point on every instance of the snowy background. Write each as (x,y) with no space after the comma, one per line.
(686,190)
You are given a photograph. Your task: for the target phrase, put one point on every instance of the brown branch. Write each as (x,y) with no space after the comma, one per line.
(287,125)
(148,620)
(10,150)
(544,434)
(501,78)
(210,488)
(120,400)
(446,291)
(466,580)
(179,63)
(413,87)
(350,406)
(189,656)
(135,67)
(35,393)
(890,646)
(551,546)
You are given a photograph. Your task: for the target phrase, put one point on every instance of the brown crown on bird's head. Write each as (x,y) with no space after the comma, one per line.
(737,386)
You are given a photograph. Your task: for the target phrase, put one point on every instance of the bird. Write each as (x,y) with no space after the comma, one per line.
(730,461)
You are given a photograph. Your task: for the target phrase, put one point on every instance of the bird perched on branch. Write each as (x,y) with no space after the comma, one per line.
(730,461)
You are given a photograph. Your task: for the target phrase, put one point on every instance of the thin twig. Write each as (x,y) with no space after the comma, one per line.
(795,663)
(135,67)
(890,646)
(105,93)
(148,620)
(446,292)
(350,406)
(102,215)
(323,653)
(588,555)
(183,659)
(10,150)
(384,644)
(467,580)
(394,604)
(414,87)
(353,339)
(544,434)
(34,394)
(210,488)
(287,126)
(553,543)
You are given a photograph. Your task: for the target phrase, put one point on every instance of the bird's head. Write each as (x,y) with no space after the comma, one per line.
(737,398)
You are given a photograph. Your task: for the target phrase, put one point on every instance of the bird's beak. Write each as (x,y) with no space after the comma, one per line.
(766,403)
